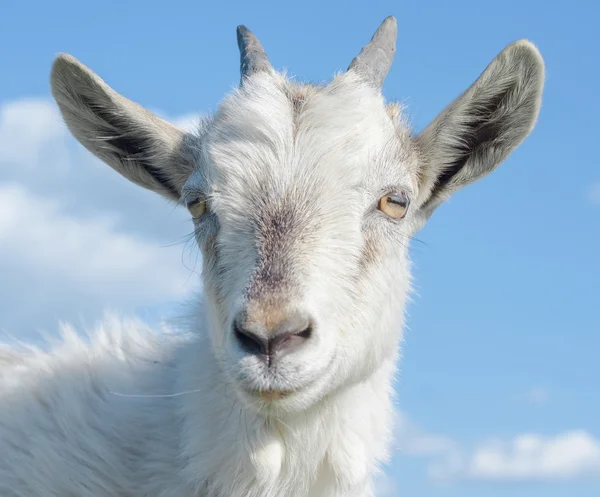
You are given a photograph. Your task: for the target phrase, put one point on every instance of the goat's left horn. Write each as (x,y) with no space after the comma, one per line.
(375,59)
(253,57)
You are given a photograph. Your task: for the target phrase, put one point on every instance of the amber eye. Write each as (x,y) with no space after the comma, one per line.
(394,205)
(197,207)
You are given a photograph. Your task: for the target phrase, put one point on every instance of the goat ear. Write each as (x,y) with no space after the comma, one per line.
(477,131)
(134,142)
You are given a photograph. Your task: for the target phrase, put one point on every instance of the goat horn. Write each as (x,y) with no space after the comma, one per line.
(375,59)
(253,57)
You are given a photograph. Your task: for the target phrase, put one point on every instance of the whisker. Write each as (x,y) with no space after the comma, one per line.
(154,396)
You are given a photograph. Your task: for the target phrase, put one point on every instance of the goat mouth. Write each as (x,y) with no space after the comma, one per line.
(271,395)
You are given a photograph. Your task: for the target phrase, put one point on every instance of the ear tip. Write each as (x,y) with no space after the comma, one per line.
(526,44)
(63,66)
(528,56)
(60,71)
(68,73)
(64,60)
(527,50)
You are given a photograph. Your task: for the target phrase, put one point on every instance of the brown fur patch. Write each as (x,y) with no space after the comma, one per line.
(211,245)
(211,258)
(277,230)
(299,94)
(370,253)
(270,312)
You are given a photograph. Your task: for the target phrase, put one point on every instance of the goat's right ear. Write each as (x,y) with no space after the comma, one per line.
(134,142)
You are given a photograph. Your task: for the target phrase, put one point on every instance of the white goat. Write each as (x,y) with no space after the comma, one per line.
(303,199)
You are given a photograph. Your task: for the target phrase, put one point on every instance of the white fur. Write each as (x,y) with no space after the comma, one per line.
(292,175)
(76,421)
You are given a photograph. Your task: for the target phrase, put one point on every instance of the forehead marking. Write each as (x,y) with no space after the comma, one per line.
(277,228)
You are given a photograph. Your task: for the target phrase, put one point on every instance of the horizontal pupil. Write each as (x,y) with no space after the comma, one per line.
(397,200)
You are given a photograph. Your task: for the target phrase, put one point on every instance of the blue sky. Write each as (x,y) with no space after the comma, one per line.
(503,339)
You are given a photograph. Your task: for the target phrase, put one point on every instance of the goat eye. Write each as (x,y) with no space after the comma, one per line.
(197,207)
(394,205)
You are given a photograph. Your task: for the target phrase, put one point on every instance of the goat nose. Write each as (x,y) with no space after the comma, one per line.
(271,342)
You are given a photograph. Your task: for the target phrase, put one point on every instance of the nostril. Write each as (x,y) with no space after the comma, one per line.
(249,341)
(272,341)
(286,342)
(306,333)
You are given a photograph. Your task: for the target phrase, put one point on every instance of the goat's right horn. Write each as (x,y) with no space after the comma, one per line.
(253,57)
(375,59)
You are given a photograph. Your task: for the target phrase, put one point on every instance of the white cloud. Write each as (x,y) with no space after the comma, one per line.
(37,233)
(58,266)
(442,453)
(573,454)
(29,122)
(594,193)
(412,440)
(188,122)
(50,163)
(75,237)
(569,455)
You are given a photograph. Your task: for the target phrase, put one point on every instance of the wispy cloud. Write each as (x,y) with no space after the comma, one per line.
(568,456)
(574,454)
(39,234)
(412,440)
(29,128)
(442,453)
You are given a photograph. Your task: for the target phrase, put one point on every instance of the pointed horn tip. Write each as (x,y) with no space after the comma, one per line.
(389,24)
(241,32)
(375,59)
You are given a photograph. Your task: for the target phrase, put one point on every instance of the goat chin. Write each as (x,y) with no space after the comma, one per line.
(125,410)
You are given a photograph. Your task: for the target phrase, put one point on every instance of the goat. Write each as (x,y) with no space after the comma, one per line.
(304,199)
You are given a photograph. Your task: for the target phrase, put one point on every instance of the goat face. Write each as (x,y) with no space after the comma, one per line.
(301,198)
(304,199)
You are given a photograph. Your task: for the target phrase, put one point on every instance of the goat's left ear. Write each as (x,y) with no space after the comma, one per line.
(134,142)
(477,131)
